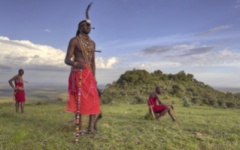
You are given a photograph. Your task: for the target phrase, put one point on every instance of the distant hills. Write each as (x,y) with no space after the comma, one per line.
(225,89)
(38,93)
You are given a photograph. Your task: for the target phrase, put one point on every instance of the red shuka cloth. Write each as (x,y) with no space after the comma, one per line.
(89,100)
(19,94)
(156,108)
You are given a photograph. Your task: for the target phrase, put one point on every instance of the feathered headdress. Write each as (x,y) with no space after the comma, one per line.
(87,16)
(87,19)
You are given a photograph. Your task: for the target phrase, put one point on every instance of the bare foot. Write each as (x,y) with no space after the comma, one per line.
(93,132)
(82,132)
(159,118)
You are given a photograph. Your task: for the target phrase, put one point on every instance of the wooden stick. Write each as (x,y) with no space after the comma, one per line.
(14,100)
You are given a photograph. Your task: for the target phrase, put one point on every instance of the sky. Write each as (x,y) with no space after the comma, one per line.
(199,37)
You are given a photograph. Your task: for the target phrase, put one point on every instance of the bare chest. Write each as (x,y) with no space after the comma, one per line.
(85,48)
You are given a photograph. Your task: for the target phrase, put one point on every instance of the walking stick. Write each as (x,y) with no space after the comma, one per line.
(78,105)
(14,100)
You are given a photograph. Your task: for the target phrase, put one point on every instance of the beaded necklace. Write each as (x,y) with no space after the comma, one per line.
(87,47)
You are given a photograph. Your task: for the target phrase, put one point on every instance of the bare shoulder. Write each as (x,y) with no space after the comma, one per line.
(73,40)
(72,43)
(16,77)
(153,94)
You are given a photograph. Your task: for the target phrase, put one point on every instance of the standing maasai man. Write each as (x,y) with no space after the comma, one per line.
(19,93)
(82,88)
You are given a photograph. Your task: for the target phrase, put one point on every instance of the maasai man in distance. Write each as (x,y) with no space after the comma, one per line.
(19,93)
(82,88)
(157,105)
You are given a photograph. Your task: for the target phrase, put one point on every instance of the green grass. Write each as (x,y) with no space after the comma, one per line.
(43,127)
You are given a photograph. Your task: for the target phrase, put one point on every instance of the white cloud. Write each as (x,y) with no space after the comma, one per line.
(192,55)
(181,49)
(42,63)
(22,53)
(219,28)
(154,65)
(105,64)
(224,57)
(215,29)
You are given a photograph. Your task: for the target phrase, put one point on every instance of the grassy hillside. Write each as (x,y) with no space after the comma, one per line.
(123,127)
(134,87)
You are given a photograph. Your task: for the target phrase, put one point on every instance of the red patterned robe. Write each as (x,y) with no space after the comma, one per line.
(156,108)
(19,94)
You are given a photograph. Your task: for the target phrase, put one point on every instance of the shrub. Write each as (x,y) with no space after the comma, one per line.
(205,101)
(220,102)
(139,100)
(224,105)
(41,103)
(122,93)
(186,102)
(238,105)
(211,102)
(176,91)
(107,99)
(195,100)
(216,105)
(231,105)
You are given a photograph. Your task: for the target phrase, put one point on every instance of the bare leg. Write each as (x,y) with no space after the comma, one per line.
(162,113)
(17,107)
(22,107)
(96,121)
(91,123)
(171,114)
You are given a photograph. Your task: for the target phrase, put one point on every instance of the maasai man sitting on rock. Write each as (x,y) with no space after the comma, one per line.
(157,107)
(82,87)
